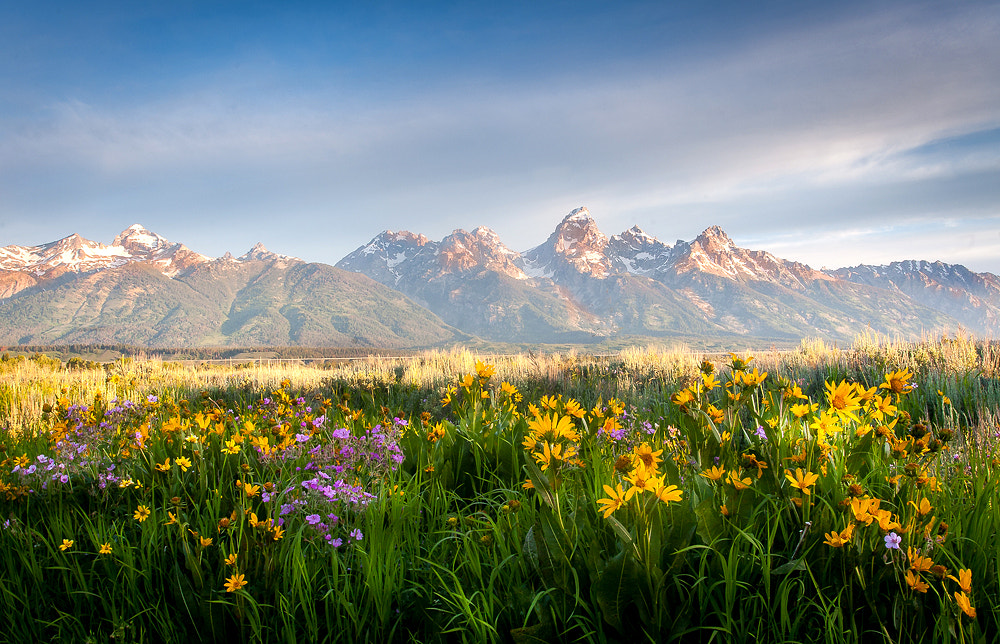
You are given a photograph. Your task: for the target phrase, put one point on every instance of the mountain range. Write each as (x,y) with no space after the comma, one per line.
(402,289)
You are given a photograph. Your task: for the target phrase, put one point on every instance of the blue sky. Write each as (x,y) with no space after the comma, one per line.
(830,133)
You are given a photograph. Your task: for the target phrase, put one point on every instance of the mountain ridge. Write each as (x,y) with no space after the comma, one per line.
(633,283)
(402,289)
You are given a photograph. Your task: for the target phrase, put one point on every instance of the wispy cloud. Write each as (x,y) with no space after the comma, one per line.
(757,137)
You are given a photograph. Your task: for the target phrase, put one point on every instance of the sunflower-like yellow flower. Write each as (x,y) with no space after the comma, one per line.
(839,539)
(573,408)
(714,474)
(644,454)
(886,521)
(801,409)
(231,559)
(923,508)
(917,561)
(66,545)
(899,382)
(752,378)
(882,407)
(164,466)
(235,582)
(183,462)
(554,453)
(105,549)
(615,500)
(914,581)
(641,481)
(550,402)
(611,424)
(964,580)
(801,480)
(825,425)
(682,398)
(843,399)
(865,395)
(864,509)
(141,513)
(737,482)
(963,602)
(551,427)
(667,494)
(485,371)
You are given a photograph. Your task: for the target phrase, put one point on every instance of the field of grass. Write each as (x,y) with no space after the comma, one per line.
(656,494)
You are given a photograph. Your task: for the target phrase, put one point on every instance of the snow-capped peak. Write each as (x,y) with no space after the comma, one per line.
(578,215)
(138,241)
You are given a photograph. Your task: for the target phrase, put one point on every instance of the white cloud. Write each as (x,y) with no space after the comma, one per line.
(832,111)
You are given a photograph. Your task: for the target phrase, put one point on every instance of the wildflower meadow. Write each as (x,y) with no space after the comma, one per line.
(817,495)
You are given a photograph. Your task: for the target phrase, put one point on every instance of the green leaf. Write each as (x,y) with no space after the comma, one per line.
(541,482)
(623,533)
(791,566)
(547,551)
(710,524)
(614,588)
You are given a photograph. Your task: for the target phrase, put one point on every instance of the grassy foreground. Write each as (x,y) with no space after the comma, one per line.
(817,495)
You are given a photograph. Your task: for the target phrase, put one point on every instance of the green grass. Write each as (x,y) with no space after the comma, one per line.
(454,547)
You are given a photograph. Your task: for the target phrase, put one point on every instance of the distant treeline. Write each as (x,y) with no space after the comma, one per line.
(111,351)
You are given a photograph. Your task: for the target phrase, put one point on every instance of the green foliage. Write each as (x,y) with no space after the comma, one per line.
(498,523)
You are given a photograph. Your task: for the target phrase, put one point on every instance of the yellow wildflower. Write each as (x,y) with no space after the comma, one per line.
(235,582)
(649,459)
(914,581)
(573,408)
(898,382)
(843,399)
(668,494)
(963,602)
(737,482)
(141,513)
(801,480)
(839,539)
(66,545)
(615,500)
(918,562)
(715,473)
(964,580)
(485,371)
(923,508)
(641,482)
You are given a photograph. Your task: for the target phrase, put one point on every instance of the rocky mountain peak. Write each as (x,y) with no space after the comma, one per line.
(636,237)
(578,241)
(478,250)
(403,237)
(139,241)
(715,239)
(576,246)
(260,253)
